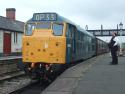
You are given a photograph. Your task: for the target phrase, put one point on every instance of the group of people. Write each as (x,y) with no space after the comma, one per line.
(114,46)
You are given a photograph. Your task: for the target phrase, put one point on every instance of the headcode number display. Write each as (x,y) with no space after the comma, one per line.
(45,17)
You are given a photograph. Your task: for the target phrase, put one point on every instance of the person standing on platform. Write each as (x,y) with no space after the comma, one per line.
(113,46)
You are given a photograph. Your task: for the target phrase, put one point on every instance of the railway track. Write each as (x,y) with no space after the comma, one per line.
(18,83)
(7,66)
(14,83)
(32,88)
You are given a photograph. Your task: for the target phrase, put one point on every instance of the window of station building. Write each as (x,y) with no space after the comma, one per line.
(57,29)
(15,37)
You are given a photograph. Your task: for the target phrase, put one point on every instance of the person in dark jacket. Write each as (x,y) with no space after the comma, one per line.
(113,46)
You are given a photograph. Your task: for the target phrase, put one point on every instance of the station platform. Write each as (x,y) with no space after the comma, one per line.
(93,76)
(10,57)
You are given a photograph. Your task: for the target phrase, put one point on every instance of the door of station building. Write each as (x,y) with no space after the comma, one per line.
(7,43)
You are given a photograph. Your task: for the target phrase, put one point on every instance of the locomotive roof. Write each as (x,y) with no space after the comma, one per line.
(46,17)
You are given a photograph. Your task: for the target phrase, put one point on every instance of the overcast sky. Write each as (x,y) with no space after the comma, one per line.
(93,13)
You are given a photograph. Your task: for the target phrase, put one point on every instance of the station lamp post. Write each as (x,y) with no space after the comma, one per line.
(120,37)
(121,27)
(86,27)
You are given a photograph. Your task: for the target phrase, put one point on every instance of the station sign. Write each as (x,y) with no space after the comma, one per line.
(44,17)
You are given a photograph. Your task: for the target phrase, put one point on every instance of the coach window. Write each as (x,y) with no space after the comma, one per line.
(57,29)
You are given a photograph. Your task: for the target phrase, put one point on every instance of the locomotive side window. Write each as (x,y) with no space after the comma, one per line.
(58,29)
(68,33)
(29,29)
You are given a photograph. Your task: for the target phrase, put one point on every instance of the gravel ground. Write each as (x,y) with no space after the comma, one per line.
(7,87)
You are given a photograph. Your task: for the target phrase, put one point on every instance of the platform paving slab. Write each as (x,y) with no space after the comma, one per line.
(10,57)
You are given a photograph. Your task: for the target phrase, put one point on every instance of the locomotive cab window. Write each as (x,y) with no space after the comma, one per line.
(57,29)
(43,26)
(29,29)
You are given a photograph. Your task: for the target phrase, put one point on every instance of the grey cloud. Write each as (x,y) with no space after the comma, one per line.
(91,12)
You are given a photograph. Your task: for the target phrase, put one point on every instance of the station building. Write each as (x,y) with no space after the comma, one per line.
(11,32)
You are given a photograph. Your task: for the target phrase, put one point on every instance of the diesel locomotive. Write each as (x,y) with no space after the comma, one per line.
(51,41)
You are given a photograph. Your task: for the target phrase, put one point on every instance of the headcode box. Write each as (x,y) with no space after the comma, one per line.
(44,17)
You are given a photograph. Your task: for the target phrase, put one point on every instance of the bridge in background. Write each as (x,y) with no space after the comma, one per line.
(107,32)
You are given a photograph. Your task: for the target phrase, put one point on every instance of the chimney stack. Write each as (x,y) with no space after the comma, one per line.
(10,13)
